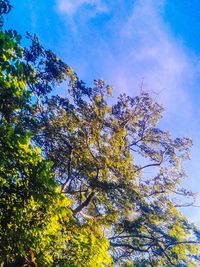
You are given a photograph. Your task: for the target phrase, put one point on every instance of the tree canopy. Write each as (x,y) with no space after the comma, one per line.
(74,185)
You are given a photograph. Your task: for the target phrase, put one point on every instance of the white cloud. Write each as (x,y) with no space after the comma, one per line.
(70,7)
(139,45)
(146,50)
(149,52)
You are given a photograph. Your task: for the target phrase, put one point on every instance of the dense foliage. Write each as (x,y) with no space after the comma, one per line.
(37,225)
(74,186)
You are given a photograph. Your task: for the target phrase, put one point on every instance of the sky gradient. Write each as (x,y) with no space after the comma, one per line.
(154,42)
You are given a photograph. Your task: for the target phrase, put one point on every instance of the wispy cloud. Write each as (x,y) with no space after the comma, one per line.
(138,45)
(149,52)
(134,48)
(70,7)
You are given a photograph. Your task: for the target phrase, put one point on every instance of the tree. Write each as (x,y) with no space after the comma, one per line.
(95,148)
(37,226)
(89,184)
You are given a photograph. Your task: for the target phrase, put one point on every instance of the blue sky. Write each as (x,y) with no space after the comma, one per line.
(127,42)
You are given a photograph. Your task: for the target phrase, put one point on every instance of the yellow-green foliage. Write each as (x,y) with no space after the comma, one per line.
(37,225)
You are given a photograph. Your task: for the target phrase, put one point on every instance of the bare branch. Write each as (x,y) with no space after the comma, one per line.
(85,203)
(64,187)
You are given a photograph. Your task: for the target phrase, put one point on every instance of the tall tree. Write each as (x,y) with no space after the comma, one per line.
(37,227)
(101,153)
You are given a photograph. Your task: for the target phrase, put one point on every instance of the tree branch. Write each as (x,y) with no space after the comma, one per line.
(85,203)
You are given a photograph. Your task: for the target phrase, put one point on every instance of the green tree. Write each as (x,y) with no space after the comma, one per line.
(100,153)
(37,226)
